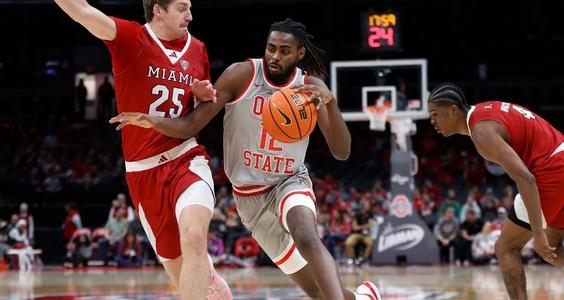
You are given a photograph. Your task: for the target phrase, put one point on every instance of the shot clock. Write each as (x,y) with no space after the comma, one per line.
(380,31)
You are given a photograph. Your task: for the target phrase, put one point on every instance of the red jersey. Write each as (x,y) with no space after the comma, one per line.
(69,226)
(532,137)
(153,77)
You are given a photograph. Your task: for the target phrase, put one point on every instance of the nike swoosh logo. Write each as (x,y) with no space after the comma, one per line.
(287,120)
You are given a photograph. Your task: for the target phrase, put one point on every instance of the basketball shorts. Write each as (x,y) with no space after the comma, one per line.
(160,191)
(550,184)
(265,216)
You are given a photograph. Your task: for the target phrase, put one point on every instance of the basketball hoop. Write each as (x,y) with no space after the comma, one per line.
(378,115)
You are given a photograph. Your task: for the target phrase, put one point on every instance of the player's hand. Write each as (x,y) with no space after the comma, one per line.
(317,94)
(543,248)
(136,119)
(204,90)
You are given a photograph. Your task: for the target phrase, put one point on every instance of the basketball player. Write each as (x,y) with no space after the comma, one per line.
(532,153)
(156,68)
(270,182)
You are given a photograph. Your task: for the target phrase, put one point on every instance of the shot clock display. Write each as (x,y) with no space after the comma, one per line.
(381,31)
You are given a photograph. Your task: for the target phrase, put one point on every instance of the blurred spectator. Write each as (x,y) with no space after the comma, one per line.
(360,233)
(483,246)
(25,215)
(80,100)
(470,205)
(128,252)
(121,202)
(430,188)
(105,100)
(450,203)
(4,247)
(215,245)
(52,183)
(339,231)
(323,223)
(468,231)
(72,221)
(446,231)
(500,219)
(116,228)
(17,237)
(489,212)
(14,218)
(474,170)
(136,227)
(82,251)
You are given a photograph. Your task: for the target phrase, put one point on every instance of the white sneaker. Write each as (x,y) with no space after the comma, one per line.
(369,289)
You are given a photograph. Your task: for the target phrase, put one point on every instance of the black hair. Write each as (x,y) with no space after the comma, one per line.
(312,60)
(448,93)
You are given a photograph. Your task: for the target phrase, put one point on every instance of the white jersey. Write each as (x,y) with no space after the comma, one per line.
(251,156)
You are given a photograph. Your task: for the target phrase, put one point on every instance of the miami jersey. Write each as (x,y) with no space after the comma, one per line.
(253,160)
(153,77)
(532,137)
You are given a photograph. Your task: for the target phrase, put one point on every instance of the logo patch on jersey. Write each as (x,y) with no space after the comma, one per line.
(184,65)
(287,120)
(163,159)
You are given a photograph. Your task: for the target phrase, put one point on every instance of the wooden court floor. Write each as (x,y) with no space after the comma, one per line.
(409,283)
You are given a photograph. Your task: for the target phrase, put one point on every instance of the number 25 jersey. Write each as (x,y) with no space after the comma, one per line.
(153,77)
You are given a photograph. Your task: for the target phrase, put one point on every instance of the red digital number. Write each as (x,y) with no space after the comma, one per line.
(379,34)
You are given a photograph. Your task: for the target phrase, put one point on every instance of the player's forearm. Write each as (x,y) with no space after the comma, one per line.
(76,9)
(527,186)
(176,128)
(335,130)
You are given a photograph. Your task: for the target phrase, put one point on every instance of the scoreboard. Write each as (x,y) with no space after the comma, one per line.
(380,31)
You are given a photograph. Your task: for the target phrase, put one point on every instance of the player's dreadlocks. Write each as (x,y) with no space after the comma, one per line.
(312,60)
(447,94)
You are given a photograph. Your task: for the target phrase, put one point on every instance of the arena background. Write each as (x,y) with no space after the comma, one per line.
(493,49)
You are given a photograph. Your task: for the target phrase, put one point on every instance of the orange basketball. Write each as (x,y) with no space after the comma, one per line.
(288,117)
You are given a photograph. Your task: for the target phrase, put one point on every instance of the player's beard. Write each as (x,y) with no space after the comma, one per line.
(283,76)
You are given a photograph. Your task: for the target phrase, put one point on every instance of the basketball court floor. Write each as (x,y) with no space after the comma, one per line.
(406,283)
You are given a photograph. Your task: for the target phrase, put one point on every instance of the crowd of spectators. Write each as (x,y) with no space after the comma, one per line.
(456,195)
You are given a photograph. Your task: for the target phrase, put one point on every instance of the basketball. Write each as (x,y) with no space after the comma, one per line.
(288,117)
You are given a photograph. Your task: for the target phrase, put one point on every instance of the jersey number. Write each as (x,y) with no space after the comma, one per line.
(527,114)
(164,93)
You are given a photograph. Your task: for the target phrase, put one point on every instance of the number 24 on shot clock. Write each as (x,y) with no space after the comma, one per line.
(381,30)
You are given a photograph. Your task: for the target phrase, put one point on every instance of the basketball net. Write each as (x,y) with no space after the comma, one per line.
(378,115)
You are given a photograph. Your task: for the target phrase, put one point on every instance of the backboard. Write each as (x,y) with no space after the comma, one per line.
(401,83)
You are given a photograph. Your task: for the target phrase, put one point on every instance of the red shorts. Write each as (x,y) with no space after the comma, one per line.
(550,183)
(155,191)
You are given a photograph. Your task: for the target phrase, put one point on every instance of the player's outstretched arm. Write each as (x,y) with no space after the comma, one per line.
(99,24)
(329,118)
(488,136)
(228,86)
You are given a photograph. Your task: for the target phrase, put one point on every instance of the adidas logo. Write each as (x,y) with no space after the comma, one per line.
(173,54)
(163,159)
